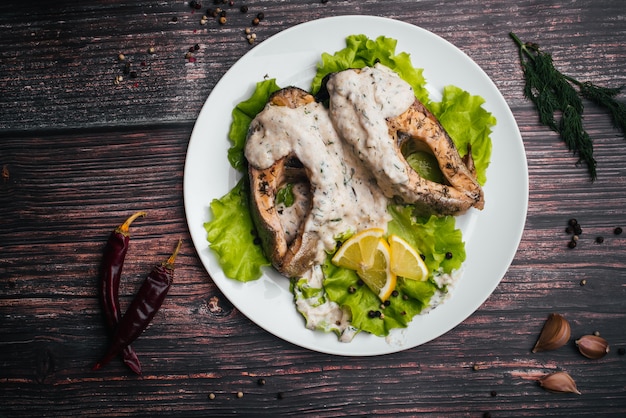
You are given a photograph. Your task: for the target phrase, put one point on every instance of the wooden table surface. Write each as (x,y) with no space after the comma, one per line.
(79,153)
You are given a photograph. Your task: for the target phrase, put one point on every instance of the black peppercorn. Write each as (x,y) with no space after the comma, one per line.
(260,15)
(621,351)
(599,240)
(243,9)
(572,244)
(448,255)
(617,231)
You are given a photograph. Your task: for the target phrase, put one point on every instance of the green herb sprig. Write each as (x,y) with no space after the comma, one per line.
(553,93)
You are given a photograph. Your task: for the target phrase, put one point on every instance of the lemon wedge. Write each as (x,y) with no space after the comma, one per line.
(405,261)
(368,254)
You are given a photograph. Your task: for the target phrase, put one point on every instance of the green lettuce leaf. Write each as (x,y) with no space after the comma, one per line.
(413,296)
(360,51)
(243,114)
(433,236)
(467,123)
(229,235)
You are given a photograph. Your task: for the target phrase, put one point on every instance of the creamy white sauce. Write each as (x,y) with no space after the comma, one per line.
(360,103)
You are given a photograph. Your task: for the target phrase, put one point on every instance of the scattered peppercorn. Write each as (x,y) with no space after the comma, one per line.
(211,395)
(621,351)
(222,20)
(243,9)
(260,15)
(196,47)
(596,333)
(279,395)
(387,303)
(261,382)
(174,19)
(395,293)
(405,297)
(448,255)
(351,289)
(256,21)
(371,314)
(133,74)
(583,282)
(475,367)
(573,222)
(618,231)
(121,57)
(240,394)
(572,244)
(360,282)
(599,240)
(493,393)
(324,1)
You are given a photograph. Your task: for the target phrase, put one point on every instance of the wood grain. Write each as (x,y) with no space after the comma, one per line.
(79,153)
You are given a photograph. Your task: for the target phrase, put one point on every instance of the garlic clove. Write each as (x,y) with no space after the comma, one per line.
(560,382)
(554,334)
(592,346)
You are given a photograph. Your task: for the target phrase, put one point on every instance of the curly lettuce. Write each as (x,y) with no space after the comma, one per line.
(230,236)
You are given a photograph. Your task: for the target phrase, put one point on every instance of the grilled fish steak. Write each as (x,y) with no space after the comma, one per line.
(291,254)
(415,125)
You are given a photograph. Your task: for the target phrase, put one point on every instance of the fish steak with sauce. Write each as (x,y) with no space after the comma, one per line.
(345,164)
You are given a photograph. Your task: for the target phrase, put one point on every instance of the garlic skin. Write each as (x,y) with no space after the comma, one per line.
(555,333)
(592,346)
(559,382)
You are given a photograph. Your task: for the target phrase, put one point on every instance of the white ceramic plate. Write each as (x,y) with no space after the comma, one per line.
(491,235)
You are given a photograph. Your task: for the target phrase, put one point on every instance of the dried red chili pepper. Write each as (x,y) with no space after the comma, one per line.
(112,262)
(142,309)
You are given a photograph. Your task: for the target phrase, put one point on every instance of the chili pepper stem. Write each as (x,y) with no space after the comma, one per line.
(172,258)
(123,228)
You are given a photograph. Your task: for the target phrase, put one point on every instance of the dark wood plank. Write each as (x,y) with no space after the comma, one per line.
(80,153)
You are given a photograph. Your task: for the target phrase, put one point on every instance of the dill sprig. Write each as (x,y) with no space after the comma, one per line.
(554,95)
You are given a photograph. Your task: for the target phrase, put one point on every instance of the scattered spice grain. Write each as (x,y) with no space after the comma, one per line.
(211,395)
(618,231)
(621,351)
(240,394)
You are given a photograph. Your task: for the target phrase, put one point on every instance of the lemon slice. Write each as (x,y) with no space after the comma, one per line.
(405,261)
(357,253)
(368,254)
